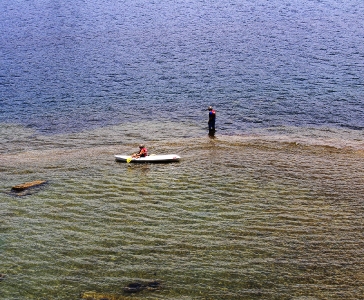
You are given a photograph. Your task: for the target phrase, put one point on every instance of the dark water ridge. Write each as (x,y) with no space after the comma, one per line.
(17,139)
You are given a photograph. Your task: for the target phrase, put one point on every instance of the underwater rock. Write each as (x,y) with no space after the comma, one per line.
(133,287)
(153,285)
(27,185)
(136,287)
(2,276)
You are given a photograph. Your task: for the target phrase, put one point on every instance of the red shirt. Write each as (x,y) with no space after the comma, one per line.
(143,152)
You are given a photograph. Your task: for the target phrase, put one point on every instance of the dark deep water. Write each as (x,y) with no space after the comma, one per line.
(74,65)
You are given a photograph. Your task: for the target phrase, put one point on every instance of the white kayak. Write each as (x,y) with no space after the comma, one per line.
(149,159)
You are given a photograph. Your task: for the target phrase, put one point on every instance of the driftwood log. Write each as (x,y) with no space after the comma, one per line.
(27,185)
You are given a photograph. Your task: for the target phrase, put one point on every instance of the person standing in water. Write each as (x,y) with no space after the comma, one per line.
(212,118)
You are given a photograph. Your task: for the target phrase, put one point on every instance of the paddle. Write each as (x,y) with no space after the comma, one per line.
(128,160)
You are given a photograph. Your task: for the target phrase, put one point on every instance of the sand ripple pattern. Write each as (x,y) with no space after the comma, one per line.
(232,220)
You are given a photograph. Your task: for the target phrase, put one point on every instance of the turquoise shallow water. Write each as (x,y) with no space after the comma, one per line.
(240,217)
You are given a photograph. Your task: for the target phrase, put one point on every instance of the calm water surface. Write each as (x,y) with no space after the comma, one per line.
(78,65)
(271,208)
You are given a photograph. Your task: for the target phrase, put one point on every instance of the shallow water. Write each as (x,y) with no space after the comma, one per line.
(239,217)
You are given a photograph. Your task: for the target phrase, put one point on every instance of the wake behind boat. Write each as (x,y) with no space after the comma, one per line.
(166,158)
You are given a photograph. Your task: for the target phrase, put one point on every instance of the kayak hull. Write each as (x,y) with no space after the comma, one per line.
(167,158)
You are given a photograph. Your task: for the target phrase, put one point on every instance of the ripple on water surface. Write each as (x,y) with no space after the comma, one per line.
(237,217)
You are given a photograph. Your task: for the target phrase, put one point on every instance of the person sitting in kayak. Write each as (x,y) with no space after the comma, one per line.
(143,152)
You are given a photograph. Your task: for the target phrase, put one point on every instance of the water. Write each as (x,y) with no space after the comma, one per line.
(271,208)
(75,65)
